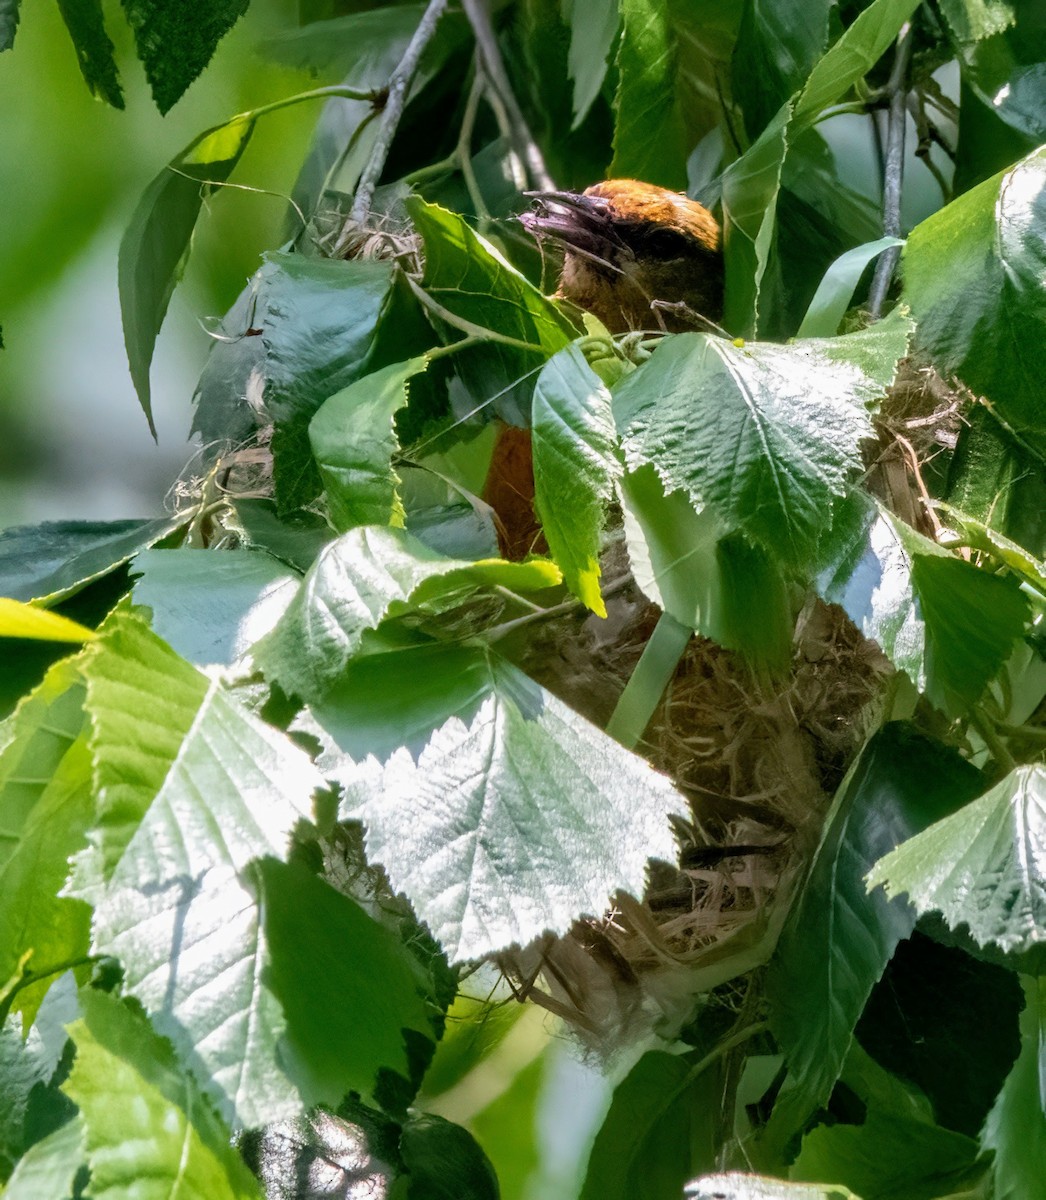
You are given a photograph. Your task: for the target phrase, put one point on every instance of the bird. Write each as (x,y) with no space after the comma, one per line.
(637,257)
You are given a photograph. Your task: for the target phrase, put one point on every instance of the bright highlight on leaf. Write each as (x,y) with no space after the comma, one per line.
(983,867)
(25,621)
(516,823)
(364,576)
(767,435)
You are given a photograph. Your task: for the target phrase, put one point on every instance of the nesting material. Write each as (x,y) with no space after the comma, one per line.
(758,762)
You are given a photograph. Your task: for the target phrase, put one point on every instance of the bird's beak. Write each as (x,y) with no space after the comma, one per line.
(573,221)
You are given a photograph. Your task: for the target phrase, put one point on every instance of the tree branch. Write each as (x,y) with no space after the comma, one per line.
(897,89)
(399,86)
(494,69)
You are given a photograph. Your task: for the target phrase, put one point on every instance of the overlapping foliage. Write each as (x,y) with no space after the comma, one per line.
(254,829)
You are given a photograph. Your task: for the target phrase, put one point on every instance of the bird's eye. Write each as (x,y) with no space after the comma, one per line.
(664,242)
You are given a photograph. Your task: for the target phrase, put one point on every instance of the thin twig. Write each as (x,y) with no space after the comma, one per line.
(494,67)
(893,173)
(464,147)
(496,632)
(399,86)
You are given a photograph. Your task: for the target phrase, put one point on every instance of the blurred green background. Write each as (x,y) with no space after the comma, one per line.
(75,442)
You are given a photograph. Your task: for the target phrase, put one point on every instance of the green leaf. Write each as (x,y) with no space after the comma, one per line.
(350,991)
(477,286)
(359,579)
(353,438)
(835,293)
(34,918)
(361,48)
(318,326)
(50,562)
(750,190)
(223,416)
(8,23)
(296,538)
(593,27)
(33,742)
(516,823)
(1003,81)
(444,1161)
(852,57)
(94,48)
(209,606)
(147,1131)
(984,867)
(156,243)
(651,137)
(49,1167)
(173,45)
(887,1155)
(1028,569)
(837,940)
(766,435)
(971,20)
(650,676)
(177,915)
(945,1023)
(1016,1127)
(18,620)
(508,1127)
(973,277)
(777,46)
(142,699)
(575,466)
(384,701)
(660,1129)
(949,625)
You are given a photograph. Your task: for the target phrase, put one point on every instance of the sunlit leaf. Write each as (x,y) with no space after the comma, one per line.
(973,277)
(142,700)
(49,1166)
(515,823)
(766,435)
(181,921)
(356,582)
(20,620)
(734,1185)
(984,867)
(575,465)
(949,625)
(143,1119)
(353,438)
(211,606)
(971,20)
(838,939)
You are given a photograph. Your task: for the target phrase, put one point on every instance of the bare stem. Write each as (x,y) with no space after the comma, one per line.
(399,86)
(494,67)
(893,174)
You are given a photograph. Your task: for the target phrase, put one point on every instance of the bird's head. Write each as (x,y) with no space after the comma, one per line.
(635,255)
